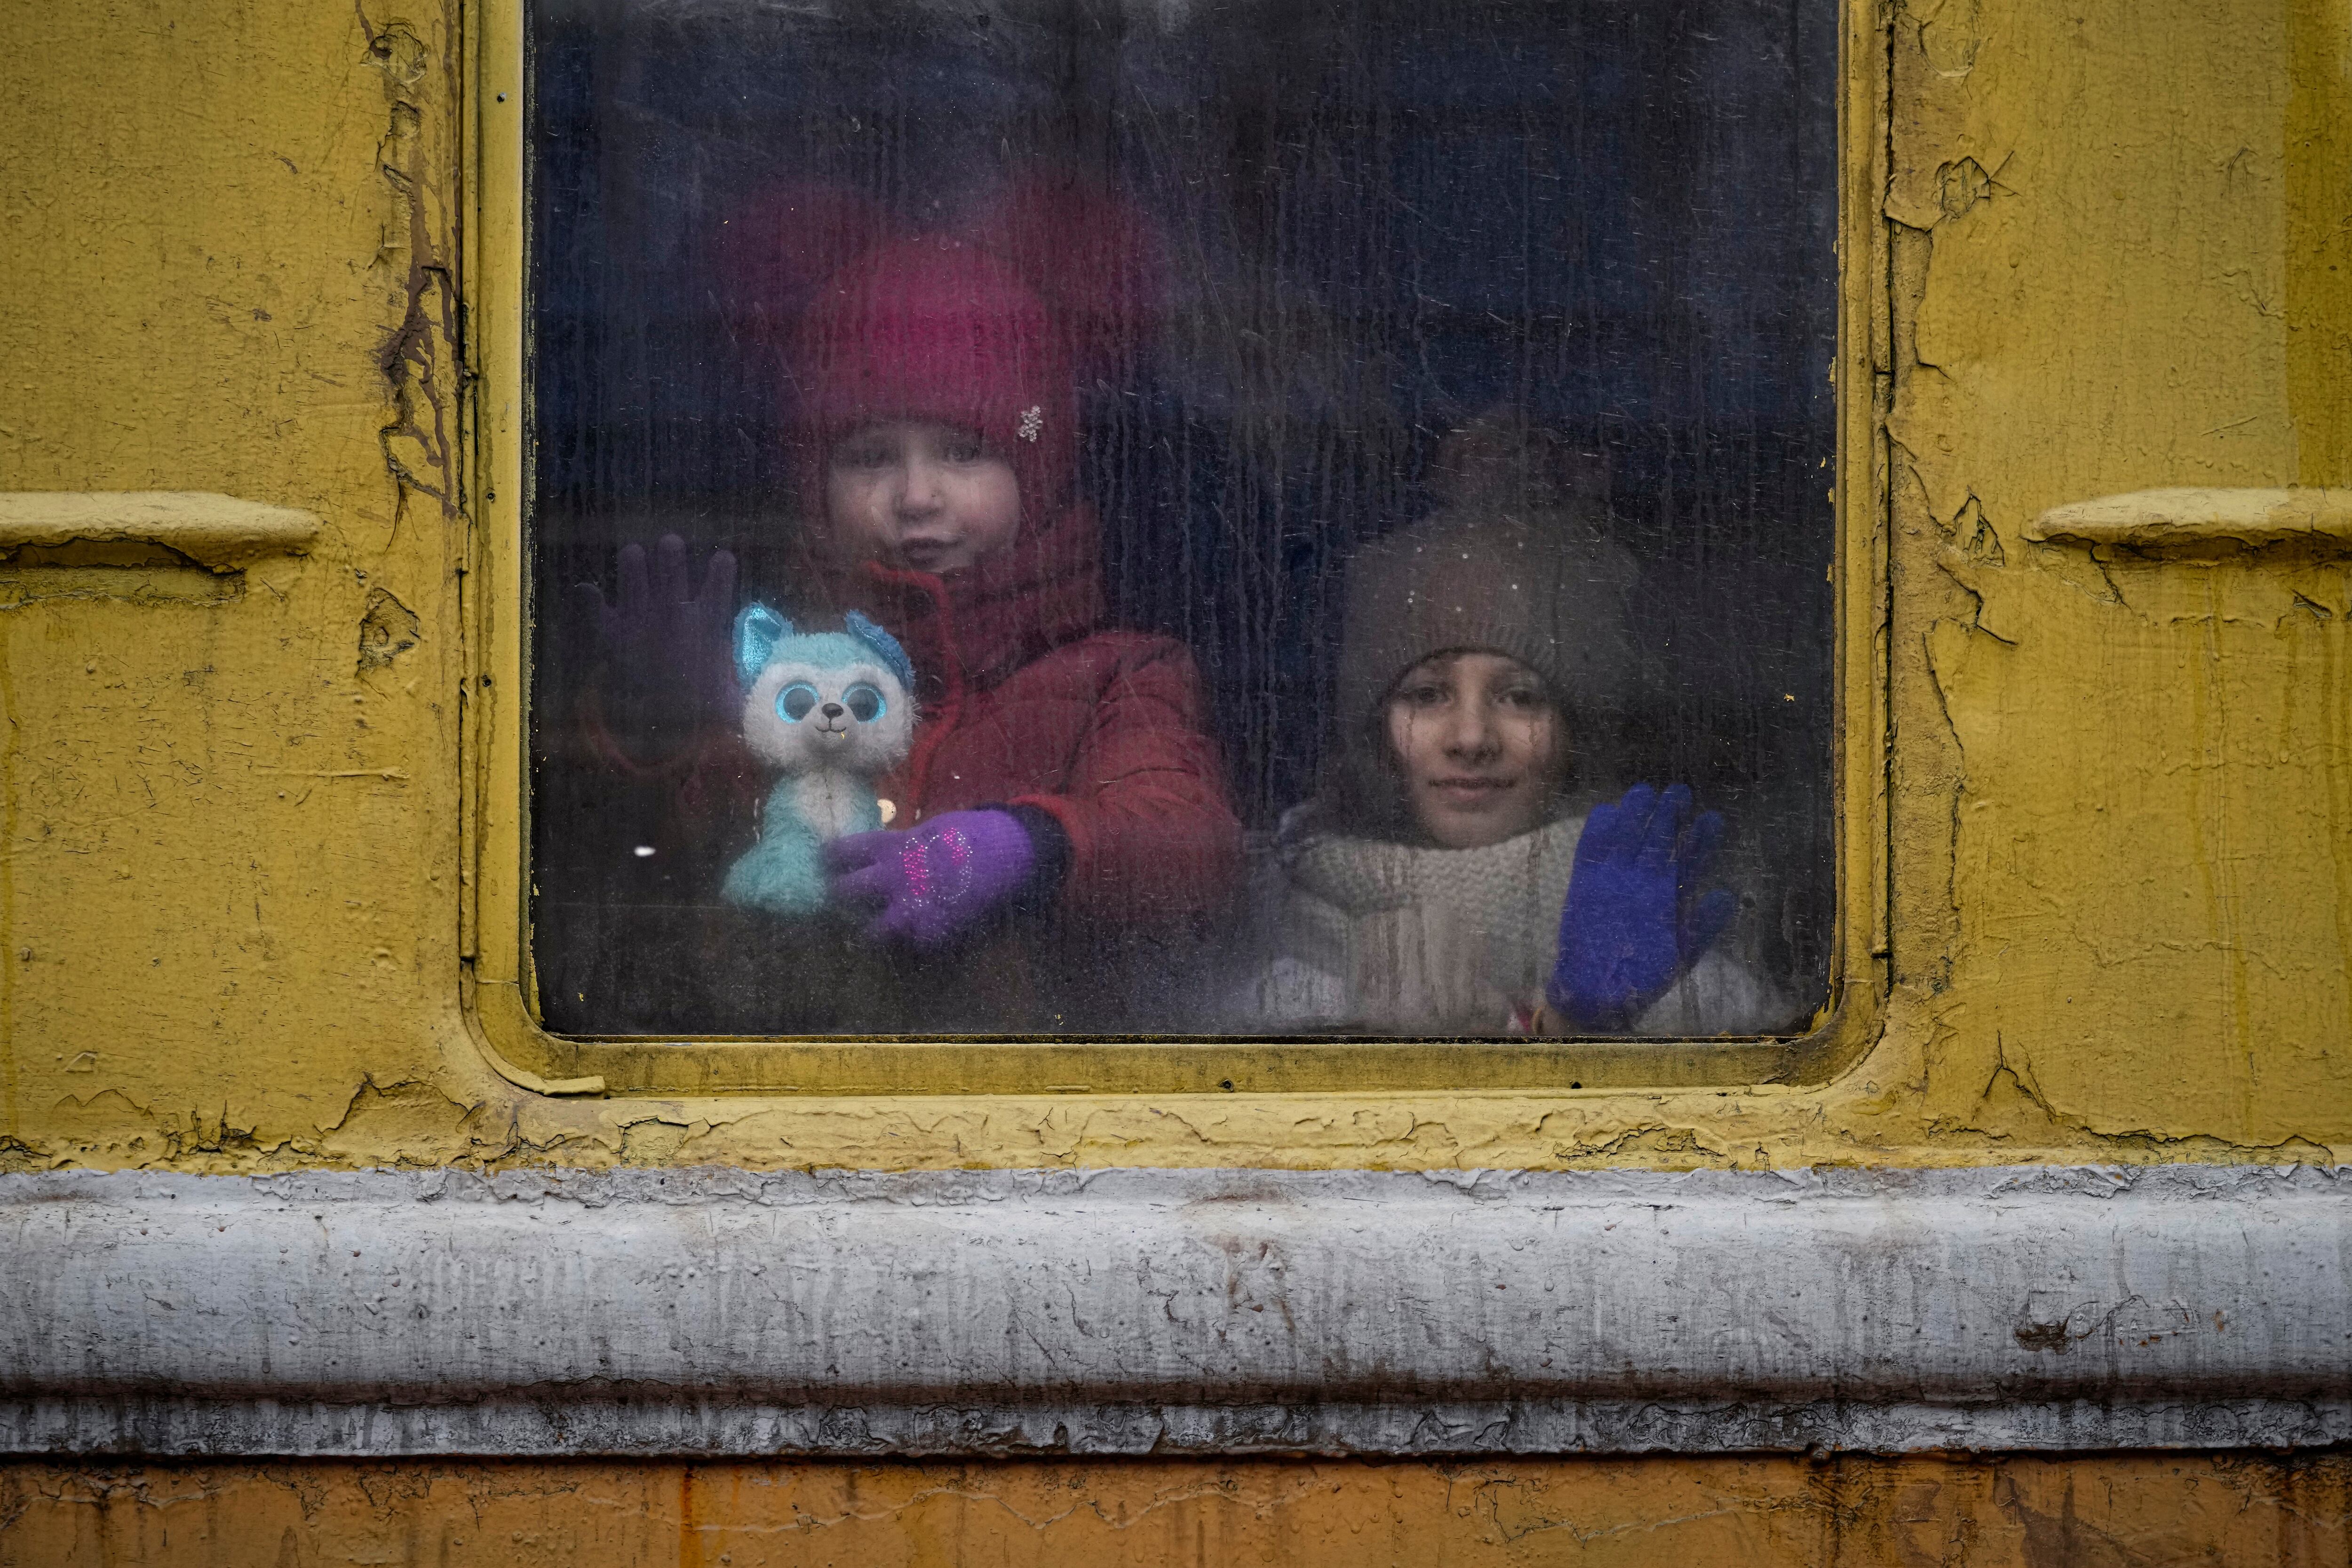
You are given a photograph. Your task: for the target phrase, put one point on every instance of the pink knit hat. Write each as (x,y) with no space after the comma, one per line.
(937,328)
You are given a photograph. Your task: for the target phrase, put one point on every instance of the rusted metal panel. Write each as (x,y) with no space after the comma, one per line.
(2099,1510)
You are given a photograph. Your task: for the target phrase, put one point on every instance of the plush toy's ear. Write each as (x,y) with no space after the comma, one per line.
(886,648)
(757,630)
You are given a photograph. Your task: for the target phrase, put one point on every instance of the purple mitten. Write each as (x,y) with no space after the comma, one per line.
(1634,919)
(937,881)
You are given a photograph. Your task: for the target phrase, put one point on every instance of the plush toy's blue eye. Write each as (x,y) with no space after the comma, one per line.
(793,702)
(864,704)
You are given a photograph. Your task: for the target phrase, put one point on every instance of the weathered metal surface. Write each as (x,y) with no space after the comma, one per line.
(1154,1312)
(2088,1510)
(234,919)
(216,531)
(2175,519)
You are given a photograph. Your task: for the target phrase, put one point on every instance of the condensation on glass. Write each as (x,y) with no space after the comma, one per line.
(1139,517)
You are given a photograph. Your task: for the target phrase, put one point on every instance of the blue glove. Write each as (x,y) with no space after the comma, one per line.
(1634,920)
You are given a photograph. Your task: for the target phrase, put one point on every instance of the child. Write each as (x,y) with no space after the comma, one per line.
(1056,757)
(1060,767)
(1441,881)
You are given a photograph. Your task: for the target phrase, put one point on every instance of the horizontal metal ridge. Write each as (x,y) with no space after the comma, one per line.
(1218,1310)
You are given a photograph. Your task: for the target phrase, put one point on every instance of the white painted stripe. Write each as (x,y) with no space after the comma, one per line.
(722,1311)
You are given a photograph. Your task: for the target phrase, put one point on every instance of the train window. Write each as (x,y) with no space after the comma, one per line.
(1267,518)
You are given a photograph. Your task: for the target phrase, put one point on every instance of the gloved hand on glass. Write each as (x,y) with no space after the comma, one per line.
(1636,918)
(662,648)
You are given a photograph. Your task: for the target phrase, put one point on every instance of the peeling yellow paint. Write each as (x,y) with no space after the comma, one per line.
(2118,895)
(2318,295)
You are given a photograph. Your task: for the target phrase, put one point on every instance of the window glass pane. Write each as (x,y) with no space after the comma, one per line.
(1265,517)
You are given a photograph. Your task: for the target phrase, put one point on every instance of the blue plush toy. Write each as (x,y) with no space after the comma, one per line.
(832,710)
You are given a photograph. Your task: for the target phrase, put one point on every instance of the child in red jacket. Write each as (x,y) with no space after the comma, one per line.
(938,420)
(1058,763)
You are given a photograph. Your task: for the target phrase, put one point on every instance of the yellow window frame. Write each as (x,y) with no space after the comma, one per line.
(499,994)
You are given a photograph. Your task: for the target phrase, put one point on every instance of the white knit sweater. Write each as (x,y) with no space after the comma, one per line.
(1388,937)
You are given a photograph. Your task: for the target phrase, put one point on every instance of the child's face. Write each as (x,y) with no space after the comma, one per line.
(1480,747)
(913,493)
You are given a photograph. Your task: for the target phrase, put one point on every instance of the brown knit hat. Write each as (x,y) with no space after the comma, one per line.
(1546,589)
(1543,585)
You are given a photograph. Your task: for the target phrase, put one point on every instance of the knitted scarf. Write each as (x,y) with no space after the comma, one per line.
(1447,941)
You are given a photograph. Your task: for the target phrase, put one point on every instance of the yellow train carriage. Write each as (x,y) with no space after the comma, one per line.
(386,1176)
